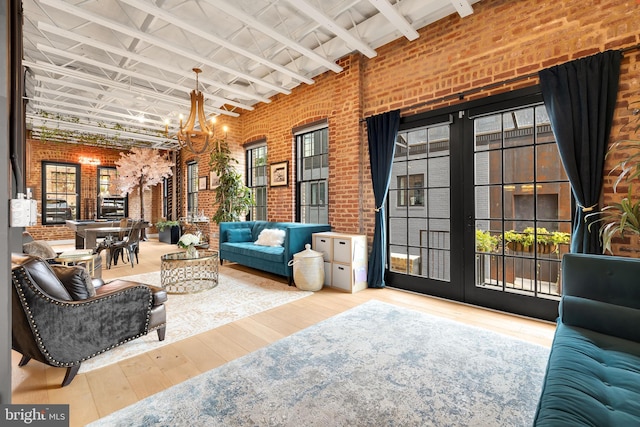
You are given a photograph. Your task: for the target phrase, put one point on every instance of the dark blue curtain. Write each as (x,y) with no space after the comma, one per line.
(580,97)
(381,133)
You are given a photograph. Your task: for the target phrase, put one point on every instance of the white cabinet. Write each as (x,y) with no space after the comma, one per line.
(345,260)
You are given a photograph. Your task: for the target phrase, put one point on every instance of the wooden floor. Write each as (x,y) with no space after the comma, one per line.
(103,391)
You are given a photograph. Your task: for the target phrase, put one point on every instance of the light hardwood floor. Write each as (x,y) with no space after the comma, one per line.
(100,392)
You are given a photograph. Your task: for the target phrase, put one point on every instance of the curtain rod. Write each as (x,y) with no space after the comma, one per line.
(461,95)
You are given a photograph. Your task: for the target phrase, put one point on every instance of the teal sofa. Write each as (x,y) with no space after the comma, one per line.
(593,372)
(237,244)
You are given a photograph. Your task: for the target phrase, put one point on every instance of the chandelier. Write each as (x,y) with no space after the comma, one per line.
(189,138)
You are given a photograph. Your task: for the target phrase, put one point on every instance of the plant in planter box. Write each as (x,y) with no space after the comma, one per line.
(485,242)
(523,241)
(168,231)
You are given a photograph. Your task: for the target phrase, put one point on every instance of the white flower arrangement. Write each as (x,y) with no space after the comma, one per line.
(187,240)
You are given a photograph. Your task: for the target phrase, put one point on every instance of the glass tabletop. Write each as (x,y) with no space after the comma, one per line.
(182,256)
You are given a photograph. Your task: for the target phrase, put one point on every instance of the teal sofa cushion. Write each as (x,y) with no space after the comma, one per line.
(236,235)
(593,372)
(266,253)
(592,379)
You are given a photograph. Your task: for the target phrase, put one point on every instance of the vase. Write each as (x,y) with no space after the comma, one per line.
(192,252)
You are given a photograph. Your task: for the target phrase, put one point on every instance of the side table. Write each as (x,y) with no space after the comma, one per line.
(180,274)
(72,259)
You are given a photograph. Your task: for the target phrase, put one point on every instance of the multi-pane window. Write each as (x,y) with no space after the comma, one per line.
(312,176)
(165,198)
(412,190)
(61,192)
(192,189)
(257,180)
(111,205)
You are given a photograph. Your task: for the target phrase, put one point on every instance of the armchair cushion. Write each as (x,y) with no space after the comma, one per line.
(39,248)
(42,274)
(76,280)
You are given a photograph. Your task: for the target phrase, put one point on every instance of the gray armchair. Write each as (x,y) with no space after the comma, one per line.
(61,317)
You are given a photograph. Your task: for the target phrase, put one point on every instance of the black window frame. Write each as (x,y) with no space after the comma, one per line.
(66,211)
(192,188)
(310,160)
(254,167)
(106,198)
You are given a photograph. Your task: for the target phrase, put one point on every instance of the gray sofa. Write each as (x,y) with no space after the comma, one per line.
(237,244)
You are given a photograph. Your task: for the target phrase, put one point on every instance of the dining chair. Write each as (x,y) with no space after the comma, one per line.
(131,244)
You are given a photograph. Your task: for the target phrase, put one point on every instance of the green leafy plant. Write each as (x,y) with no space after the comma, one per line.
(163,223)
(232,198)
(485,242)
(620,218)
(527,237)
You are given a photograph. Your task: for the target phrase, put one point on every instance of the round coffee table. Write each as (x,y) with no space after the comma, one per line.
(180,274)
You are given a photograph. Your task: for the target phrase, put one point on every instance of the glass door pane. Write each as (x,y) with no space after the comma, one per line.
(419,205)
(522,204)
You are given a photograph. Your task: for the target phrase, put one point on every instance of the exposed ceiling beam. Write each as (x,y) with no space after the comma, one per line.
(102,113)
(66,109)
(101,102)
(399,21)
(165,106)
(168,17)
(122,86)
(463,7)
(254,23)
(134,74)
(37,121)
(143,59)
(336,29)
(163,44)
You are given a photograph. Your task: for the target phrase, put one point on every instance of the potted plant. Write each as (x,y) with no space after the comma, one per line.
(623,217)
(485,242)
(232,198)
(168,231)
(527,239)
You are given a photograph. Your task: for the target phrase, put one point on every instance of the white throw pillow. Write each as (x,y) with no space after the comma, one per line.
(271,237)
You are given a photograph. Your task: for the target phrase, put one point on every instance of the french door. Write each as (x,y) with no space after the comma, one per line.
(479,206)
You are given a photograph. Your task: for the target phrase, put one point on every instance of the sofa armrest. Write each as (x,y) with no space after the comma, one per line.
(601,293)
(298,235)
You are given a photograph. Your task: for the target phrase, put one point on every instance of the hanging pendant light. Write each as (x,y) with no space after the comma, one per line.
(196,140)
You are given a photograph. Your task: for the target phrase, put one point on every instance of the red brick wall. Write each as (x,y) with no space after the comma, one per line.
(502,40)
(38,151)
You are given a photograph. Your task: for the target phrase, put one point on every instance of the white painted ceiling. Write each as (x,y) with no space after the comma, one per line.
(121,68)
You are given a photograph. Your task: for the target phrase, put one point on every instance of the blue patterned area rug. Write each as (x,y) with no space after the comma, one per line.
(376,364)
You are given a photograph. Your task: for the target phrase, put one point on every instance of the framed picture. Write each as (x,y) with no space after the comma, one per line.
(214,180)
(279,174)
(202,183)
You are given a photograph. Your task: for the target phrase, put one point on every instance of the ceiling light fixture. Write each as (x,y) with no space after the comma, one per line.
(190,138)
